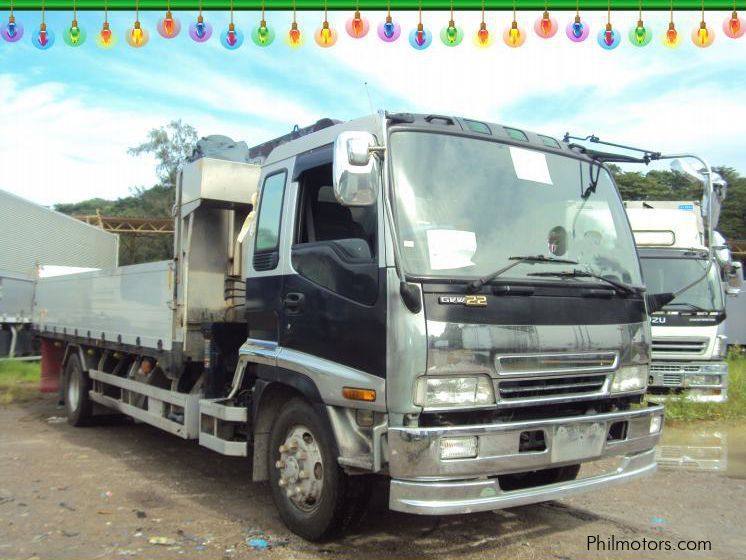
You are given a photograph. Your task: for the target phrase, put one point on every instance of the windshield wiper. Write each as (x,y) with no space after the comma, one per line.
(477,284)
(620,286)
(691,306)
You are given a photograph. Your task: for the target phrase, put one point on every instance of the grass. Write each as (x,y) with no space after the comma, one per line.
(679,409)
(19,381)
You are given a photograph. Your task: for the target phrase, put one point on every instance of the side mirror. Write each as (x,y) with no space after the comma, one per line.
(683,166)
(735,279)
(357,173)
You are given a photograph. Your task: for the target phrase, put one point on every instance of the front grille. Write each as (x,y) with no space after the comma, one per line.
(555,363)
(672,379)
(551,387)
(524,379)
(663,368)
(676,346)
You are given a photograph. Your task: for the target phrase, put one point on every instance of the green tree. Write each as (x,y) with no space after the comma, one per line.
(171,145)
(672,185)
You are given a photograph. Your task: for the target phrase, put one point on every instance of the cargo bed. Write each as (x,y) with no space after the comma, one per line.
(129,305)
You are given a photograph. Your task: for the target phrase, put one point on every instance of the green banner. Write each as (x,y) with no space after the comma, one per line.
(396,5)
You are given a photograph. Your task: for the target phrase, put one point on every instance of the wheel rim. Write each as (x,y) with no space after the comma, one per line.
(301,468)
(73,390)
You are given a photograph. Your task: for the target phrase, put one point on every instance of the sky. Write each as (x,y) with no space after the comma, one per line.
(67,116)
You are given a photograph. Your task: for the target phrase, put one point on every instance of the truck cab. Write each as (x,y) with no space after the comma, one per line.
(418,278)
(689,342)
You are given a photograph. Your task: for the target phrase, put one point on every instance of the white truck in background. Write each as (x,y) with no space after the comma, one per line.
(33,237)
(689,341)
(687,270)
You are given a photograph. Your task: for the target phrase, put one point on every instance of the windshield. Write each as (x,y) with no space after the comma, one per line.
(670,274)
(464,206)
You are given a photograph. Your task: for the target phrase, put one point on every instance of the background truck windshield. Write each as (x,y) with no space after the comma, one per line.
(671,274)
(464,206)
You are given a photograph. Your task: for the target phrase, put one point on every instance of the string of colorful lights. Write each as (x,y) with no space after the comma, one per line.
(357,27)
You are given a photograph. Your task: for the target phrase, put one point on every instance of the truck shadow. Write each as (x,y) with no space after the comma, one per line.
(182,471)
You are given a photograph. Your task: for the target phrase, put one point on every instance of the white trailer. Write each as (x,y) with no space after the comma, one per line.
(32,236)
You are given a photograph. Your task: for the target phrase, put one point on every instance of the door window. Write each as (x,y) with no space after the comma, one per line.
(266,254)
(335,245)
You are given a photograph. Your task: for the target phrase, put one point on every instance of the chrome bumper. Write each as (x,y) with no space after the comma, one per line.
(423,483)
(687,376)
(448,498)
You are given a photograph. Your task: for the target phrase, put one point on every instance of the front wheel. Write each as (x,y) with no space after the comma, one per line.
(314,496)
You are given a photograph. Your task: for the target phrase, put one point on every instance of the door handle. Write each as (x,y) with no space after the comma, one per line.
(294,302)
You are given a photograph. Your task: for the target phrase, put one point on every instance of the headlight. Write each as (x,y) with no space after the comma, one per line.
(718,367)
(630,378)
(720,349)
(454,392)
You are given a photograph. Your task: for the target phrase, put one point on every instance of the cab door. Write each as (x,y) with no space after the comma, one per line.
(267,262)
(334,295)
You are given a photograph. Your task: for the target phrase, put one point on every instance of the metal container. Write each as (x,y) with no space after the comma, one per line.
(32,235)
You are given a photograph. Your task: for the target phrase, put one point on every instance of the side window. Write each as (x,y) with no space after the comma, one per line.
(335,245)
(266,251)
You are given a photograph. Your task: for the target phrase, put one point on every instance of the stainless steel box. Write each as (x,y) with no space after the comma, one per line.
(215,179)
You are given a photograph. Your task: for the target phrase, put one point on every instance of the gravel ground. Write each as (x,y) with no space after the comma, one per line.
(127,490)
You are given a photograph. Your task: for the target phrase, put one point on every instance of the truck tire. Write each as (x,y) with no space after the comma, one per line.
(78,405)
(314,496)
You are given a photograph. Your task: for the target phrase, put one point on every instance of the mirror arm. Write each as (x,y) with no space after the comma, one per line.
(710,193)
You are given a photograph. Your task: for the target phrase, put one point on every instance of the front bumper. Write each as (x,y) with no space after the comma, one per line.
(425,484)
(669,378)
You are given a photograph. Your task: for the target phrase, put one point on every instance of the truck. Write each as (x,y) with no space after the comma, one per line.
(33,237)
(689,339)
(424,298)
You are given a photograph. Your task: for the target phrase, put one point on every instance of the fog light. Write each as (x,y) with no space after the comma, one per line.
(458,447)
(656,422)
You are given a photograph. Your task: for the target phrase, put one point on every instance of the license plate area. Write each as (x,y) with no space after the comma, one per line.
(577,442)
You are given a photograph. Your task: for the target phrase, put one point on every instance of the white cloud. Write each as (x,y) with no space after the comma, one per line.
(60,150)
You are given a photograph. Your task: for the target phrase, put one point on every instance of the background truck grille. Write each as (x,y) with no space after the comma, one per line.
(673,346)
(676,368)
(551,386)
(672,379)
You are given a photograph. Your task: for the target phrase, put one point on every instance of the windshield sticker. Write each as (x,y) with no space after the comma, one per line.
(530,165)
(409,244)
(451,248)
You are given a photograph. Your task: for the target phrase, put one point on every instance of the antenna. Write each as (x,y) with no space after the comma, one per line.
(370,101)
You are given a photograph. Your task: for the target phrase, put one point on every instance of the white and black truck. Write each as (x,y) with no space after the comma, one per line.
(452,304)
